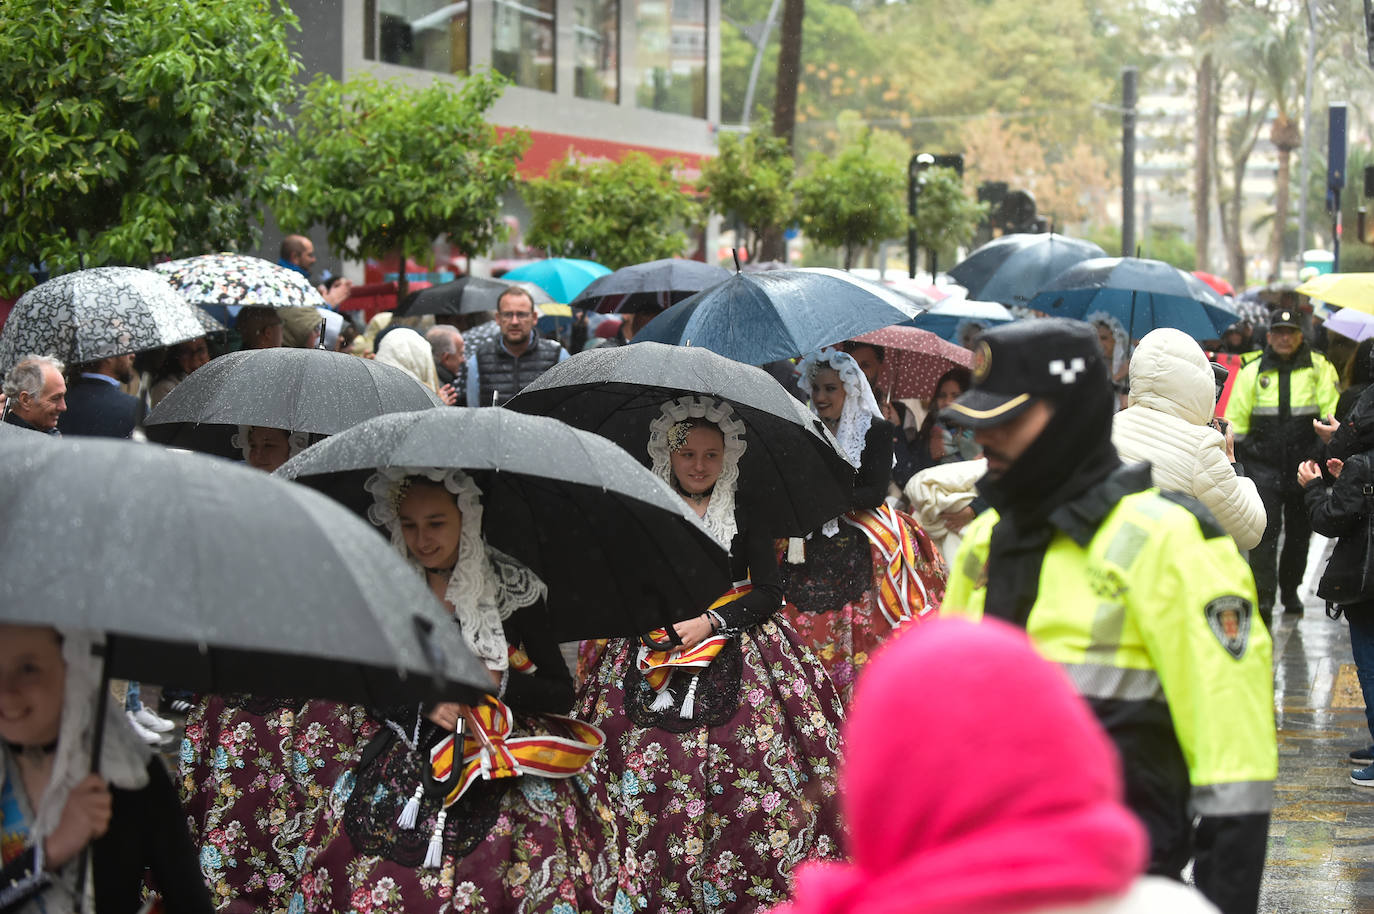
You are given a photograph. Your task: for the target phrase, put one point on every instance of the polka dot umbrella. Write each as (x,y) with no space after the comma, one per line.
(913,360)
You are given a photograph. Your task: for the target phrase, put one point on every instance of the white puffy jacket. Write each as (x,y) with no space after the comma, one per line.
(1173,396)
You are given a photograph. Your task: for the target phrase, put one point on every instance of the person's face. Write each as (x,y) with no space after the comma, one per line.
(516,316)
(32,683)
(949,392)
(867,358)
(697,464)
(192,355)
(269,337)
(1004,444)
(268,448)
(1106,340)
(1285,340)
(123,368)
(827,394)
(306,258)
(431,524)
(51,402)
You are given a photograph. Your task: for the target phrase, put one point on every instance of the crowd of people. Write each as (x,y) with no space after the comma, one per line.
(815,739)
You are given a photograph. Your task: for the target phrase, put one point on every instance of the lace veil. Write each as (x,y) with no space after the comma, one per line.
(856,416)
(720,513)
(295,441)
(487,586)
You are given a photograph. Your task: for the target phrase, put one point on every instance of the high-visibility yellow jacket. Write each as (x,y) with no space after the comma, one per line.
(1152,615)
(1271,409)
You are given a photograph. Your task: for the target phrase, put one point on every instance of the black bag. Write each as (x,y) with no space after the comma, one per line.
(1351,582)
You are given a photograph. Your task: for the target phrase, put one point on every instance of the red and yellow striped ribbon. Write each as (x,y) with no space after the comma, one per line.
(658,666)
(901,594)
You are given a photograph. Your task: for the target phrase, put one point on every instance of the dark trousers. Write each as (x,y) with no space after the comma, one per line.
(1361,619)
(1285,510)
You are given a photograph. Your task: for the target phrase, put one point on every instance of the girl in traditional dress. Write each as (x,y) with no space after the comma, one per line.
(851,583)
(1111,336)
(722,737)
(501,815)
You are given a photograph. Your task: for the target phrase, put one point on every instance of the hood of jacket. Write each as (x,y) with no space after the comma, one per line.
(1170,373)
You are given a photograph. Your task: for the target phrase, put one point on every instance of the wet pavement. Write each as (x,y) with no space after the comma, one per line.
(1321,837)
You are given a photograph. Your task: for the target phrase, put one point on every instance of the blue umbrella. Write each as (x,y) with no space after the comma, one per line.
(561,277)
(1142,294)
(1011,269)
(951,318)
(763,317)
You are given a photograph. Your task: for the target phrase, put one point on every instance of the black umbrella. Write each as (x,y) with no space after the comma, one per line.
(300,390)
(791,473)
(657,284)
(1012,268)
(218,578)
(465,295)
(756,318)
(620,552)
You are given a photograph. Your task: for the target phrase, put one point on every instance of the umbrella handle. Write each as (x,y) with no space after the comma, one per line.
(102,700)
(672,642)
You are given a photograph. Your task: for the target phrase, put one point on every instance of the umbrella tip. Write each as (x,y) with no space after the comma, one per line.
(735,251)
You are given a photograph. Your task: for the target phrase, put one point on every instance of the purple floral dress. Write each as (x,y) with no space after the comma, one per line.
(717,809)
(255,777)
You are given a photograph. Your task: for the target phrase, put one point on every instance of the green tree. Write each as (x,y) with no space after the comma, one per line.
(136,129)
(853,199)
(750,180)
(945,215)
(616,213)
(385,167)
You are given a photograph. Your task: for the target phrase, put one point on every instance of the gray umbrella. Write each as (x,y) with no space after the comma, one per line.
(218,578)
(93,314)
(620,552)
(465,295)
(301,390)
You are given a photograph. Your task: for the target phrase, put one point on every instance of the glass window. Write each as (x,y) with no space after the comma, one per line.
(522,42)
(596,45)
(424,34)
(670,55)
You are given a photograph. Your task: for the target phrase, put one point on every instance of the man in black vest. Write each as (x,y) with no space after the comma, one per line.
(501,368)
(96,405)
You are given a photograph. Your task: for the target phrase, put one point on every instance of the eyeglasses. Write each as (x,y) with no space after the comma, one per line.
(514,316)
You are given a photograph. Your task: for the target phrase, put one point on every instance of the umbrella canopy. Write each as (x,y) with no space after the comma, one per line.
(1219,285)
(1351,323)
(914,360)
(756,318)
(621,553)
(1345,290)
(1012,268)
(1142,294)
(465,295)
(300,390)
(239,280)
(959,319)
(792,475)
(561,277)
(234,582)
(657,284)
(94,314)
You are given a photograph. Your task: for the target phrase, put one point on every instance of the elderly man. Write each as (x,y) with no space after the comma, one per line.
(36,393)
(1139,595)
(95,404)
(446,345)
(297,253)
(499,369)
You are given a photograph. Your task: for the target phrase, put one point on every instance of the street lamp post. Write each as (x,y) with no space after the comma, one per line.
(915,180)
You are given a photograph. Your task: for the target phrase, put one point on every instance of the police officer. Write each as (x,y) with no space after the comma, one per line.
(1273,402)
(1139,594)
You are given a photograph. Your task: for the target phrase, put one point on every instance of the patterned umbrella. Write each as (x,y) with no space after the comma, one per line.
(93,314)
(237,279)
(914,360)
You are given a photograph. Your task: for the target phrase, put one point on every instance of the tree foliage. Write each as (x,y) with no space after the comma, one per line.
(946,216)
(385,167)
(136,129)
(616,213)
(851,200)
(750,180)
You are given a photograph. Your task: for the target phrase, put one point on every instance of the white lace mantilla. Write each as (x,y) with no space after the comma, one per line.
(856,416)
(720,513)
(487,586)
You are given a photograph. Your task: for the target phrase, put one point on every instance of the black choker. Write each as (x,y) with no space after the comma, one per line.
(448,570)
(18,749)
(696,497)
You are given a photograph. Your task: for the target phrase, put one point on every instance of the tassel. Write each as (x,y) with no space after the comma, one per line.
(434,854)
(796,550)
(663,701)
(411,813)
(689,704)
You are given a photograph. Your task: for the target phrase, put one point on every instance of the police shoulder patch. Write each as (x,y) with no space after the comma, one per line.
(1210,527)
(1230,618)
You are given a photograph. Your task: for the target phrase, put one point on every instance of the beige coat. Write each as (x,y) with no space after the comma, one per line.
(1173,397)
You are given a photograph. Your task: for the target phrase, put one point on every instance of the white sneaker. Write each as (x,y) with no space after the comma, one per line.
(143,733)
(150,720)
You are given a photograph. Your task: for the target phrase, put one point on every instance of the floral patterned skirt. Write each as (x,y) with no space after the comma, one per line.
(717,818)
(520,845)
(255,778)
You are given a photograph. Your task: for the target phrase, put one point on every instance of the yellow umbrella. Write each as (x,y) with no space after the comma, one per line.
(1345,290)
